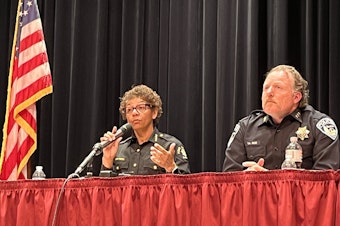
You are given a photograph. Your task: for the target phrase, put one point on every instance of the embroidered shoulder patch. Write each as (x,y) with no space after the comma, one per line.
(328,127)
(181,150)
(231,139)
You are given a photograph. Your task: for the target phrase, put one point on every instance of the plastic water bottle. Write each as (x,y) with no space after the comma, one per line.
(293,155)
(297,157)
(288,163)
(38,173)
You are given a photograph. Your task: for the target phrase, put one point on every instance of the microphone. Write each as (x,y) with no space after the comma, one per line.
(124,129)
(98,147)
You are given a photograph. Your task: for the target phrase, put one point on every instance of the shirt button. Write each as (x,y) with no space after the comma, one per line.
(276,148)
(154,167)
(135,164)
(138,150)
(277,131)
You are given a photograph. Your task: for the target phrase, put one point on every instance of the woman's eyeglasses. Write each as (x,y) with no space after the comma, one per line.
(140,108)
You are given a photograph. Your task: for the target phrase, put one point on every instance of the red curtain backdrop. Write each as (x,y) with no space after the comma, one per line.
(241,198)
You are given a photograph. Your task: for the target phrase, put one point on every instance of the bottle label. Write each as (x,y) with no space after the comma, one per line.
(297,156)
(289,154)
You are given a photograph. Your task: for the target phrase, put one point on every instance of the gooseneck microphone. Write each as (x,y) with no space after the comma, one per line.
(98,147)
(124,129)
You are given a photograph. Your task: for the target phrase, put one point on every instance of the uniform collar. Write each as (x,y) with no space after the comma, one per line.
(297,115)
(267,119)
(153,138)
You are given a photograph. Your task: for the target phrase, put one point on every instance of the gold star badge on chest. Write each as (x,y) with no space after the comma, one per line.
(302,133)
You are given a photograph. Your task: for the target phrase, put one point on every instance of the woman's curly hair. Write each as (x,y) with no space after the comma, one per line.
(147,94)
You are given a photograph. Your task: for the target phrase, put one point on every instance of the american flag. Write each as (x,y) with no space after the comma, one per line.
(29,80)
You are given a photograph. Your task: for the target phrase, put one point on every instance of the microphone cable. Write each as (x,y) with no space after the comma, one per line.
(96,150)
(60,194)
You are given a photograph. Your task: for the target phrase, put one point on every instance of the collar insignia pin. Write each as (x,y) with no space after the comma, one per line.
(265,118)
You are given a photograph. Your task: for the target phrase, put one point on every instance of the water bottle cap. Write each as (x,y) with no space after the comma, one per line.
(293,139)
(39,167)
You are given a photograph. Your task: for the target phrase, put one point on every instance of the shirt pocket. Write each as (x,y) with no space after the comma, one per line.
(151,168)
(121,164)
(255,150)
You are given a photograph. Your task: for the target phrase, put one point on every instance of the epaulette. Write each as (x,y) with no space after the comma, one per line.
(161,136)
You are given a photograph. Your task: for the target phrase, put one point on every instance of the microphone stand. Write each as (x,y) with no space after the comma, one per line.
(96,150)
(89,168)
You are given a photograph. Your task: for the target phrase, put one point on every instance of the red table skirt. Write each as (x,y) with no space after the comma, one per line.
(238,198)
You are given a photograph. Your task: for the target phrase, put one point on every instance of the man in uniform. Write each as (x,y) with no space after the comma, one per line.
(259,140)
(147,151)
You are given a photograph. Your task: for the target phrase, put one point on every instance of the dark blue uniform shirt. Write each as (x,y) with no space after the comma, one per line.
(133,158)
(256,136)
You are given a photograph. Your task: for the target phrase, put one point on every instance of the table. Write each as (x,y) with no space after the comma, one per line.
(278,197)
